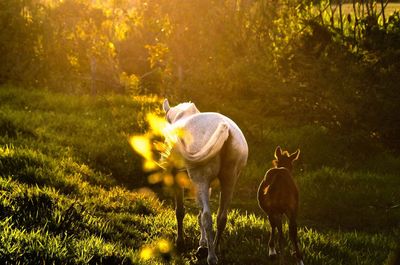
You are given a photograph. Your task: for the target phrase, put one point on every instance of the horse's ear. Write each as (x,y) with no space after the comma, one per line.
(166,105)
(278,152)
(295,155)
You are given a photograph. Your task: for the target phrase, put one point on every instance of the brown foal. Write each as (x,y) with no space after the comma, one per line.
(277,196)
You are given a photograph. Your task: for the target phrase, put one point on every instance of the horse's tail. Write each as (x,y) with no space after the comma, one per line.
(210,149)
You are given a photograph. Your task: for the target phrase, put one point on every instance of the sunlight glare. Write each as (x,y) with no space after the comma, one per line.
(157,124)
(146,253)
(141,144)
(164,246)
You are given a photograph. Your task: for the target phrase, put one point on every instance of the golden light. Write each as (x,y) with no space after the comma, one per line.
(164,246)
(182,180)
(168,180)
(146,253)
(150,165)
(141,144)
(157,124)
(146,144)
(155,178)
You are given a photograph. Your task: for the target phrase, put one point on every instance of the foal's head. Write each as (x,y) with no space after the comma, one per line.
(284,159)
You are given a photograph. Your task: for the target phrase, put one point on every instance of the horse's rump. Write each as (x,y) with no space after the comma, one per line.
(197,151)
(278,191)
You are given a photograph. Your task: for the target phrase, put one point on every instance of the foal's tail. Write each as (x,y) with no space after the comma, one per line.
(210,149)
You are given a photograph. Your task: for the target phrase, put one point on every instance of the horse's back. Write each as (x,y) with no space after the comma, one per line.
(278,193)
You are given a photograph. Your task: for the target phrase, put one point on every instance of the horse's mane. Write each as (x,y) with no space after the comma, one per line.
(185,105)
(181,110)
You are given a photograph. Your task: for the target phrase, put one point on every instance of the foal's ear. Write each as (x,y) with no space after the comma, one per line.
(166,105)
(295,155)
(278,152)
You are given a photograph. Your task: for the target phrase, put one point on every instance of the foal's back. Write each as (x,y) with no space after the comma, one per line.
(278,192)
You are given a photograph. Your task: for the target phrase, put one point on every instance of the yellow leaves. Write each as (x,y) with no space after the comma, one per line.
(131,82)
(155,178)
(111,46)
(166,26)
(111,49)
(121,31)
(27,14)
(157,53)
(168,180)
(73,60)
(182,180)
(146,146)
(142,145)
(157,124)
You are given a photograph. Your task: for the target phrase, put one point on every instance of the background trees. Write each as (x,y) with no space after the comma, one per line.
(333,63)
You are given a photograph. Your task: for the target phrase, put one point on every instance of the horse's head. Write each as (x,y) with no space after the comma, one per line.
(180,111)
(284,159)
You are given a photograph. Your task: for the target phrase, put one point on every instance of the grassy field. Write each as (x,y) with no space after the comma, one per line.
(73,192)
(389,10)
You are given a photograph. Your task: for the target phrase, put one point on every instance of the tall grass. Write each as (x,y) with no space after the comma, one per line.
(69,191)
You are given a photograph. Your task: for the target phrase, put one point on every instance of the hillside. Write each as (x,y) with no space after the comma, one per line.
(73,191)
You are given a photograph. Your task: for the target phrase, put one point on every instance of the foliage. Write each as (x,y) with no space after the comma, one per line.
(319,75)
(316,61)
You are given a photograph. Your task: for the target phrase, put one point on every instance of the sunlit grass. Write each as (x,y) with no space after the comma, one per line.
(58,207)
(389,10)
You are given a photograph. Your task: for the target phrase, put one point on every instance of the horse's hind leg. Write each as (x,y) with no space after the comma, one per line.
(180,214)
(225,197)
(202,250)
(206,220)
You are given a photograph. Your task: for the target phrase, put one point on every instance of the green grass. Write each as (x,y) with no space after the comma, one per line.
(71,190)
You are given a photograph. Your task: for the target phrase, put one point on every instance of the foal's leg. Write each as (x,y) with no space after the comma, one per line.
(180,214)
(294,239)
(280,235)
(271,242)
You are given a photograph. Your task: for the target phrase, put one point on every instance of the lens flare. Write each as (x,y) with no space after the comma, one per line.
(164,246)
(182,180)
(157,124)
(146,253)
(141,144)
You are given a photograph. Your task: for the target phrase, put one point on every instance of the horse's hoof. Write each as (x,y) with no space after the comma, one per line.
(272,253)
(201,252)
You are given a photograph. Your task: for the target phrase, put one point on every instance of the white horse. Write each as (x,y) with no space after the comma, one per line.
(212,146)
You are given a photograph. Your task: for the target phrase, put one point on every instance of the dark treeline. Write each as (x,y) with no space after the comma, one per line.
(334,63)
